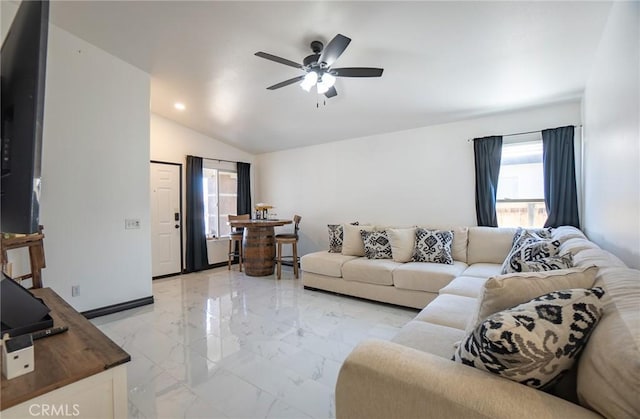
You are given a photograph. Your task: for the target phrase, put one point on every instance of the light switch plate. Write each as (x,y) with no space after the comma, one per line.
(131,223)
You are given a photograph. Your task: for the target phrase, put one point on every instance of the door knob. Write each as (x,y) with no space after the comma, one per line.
(177,226)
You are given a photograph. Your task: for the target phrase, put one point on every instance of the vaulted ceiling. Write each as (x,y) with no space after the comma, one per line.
(443,61)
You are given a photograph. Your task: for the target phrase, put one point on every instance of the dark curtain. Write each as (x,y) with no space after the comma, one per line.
(560,195)
(488,152)
(196,252)
(244,188)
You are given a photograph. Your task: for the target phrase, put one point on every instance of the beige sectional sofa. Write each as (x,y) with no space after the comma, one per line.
(410,284)
(413,375)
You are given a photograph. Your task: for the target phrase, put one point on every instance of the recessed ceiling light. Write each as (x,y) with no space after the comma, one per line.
(179,106)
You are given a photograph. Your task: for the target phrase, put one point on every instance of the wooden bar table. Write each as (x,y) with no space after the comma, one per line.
(258,245)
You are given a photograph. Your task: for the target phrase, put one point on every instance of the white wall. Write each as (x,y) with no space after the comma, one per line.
(172,142)
(95,173)
(612,137)
(421,176)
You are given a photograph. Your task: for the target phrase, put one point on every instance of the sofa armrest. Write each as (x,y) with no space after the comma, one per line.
(384,380)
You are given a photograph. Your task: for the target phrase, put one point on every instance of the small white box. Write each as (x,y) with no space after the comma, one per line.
(17,356)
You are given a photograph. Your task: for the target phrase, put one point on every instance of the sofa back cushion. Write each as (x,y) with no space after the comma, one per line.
(489,244)
(352,243)
(505,291)
(460,240)
(609,368)
(403,241)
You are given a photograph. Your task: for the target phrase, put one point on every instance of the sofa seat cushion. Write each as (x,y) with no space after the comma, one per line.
(483,270)
(449,310)
(429,337)
(465,286)
(371,271)
(426,276)
(325,263)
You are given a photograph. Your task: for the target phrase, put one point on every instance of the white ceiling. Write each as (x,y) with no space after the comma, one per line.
(443,61)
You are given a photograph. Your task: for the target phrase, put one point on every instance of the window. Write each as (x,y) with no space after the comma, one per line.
(520,195)
(220,196)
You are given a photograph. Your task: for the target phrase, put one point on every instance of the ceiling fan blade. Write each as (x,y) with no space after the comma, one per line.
(286,82)
(277,59)
(331,92)
(334,49)
(357,72)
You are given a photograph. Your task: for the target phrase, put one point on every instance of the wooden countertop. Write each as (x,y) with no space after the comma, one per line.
(63,359)
(259,223)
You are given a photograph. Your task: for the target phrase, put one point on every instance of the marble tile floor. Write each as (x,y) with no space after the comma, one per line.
(219,344)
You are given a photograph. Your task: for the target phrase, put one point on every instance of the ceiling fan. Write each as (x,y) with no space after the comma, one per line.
(317,67)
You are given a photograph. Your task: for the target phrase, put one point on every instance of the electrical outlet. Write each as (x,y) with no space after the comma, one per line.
(131,223)
(75,290)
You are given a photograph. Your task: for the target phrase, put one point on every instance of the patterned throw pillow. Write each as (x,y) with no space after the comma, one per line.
(537,233)
(528,249)
(505,291)
(433,246)
(534,343)
(550,263)
(376,244)
(336,233)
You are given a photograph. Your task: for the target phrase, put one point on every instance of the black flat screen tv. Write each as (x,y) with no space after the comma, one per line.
(22,78)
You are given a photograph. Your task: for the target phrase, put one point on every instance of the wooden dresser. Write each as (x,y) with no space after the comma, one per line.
(79,373)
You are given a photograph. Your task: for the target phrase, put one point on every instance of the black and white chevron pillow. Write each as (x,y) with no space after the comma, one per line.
(536,342)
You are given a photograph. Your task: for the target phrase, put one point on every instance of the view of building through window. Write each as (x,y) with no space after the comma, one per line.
(220,197)
(520,195)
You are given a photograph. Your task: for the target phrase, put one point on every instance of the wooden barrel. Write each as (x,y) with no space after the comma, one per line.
(259,247)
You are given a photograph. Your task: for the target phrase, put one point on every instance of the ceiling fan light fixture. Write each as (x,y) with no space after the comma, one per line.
(326,82)
(309,81)
(318,67)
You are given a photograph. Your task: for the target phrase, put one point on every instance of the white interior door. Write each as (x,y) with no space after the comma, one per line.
(166,219)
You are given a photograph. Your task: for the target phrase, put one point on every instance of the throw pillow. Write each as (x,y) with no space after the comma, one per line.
(505,291)
(538,233)
(352,244)
(403,241)
(549,263)
(534,343)
(335,237)
(521,237)
(376,245)
(528,249)
(336,234)
(433,246)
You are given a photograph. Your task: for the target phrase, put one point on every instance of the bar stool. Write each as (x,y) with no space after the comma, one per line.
(291,239)
(236,237)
